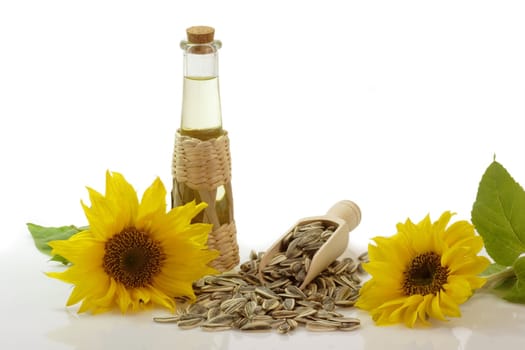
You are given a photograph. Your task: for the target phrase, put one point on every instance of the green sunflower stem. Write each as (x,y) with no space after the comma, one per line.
(496,279)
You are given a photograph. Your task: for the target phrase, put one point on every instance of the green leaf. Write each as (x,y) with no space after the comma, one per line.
(42,235)
(499,215)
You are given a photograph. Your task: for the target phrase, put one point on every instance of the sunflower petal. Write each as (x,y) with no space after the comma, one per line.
(448,305)
(423,309)
(122,196)
(435,309)
(152,205)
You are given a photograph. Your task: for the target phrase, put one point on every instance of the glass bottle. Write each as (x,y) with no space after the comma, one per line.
(201,105)
(201,128)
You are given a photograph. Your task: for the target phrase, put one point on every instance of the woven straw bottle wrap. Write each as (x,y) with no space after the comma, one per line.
(202,163)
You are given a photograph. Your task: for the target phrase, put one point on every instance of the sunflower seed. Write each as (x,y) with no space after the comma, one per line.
(215,327)
(270,304)
(345,303)
(286,326)
(266,292)
(190,323)
(316,326)
(224,319)
(342,266)
(284,314)
(197,309)
(343,293)
(215,288)
(348,326)
(311,289)
(295,291)
(363,257)
(211,303)
(292,323)
(343,319)
(310,303)
(305,312)
(327,233)
(188,316)
(278,259)
(220,295)
(233,305)
(256,326)
(166,319)
(289,303)
(250,308)
(266,318)
(283,327)
(252,279)
(301,275)
(213,312)
(293,250)
(329,304)
(278,283)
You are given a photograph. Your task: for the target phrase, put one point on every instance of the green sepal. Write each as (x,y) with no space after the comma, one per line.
(499,215)
(499,278)
(509,283)
(43,235)
(493,269)
(60,259)
(515,292)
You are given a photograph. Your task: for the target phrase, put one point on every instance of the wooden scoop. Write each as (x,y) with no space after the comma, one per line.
(345,216)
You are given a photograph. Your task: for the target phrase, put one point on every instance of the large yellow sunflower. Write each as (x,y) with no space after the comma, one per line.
(425,270)
(134,254)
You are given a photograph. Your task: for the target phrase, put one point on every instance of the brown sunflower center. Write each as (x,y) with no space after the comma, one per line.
(425,275)
(133,258)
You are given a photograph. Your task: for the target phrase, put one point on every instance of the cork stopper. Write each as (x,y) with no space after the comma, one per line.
(200,34)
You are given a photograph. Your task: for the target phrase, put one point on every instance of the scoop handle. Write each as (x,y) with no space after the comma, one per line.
(347,211)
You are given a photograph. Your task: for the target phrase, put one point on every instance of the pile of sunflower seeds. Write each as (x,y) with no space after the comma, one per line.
(238,300)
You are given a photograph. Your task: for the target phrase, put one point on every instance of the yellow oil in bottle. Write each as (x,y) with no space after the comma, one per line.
(201,108)
(201,119)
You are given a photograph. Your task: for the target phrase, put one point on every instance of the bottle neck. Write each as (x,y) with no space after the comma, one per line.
(201,106)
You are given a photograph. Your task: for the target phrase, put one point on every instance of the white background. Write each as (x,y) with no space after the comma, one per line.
(397,105)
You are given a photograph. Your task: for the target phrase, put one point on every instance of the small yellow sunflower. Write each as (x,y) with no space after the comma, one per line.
(425,270)
(134,254)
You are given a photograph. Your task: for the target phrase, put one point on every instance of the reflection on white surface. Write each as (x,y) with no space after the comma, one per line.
(493,322)
(487,322)
(463,335)
(34,317)
(115,331)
